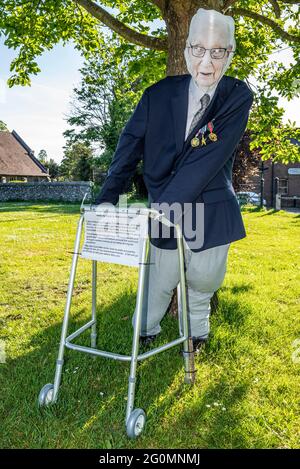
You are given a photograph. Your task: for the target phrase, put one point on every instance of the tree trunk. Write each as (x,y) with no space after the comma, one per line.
(177,16)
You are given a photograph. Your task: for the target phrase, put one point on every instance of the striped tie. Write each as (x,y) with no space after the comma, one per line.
(197,117)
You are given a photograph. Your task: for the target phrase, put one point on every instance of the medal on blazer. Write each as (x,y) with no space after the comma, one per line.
(195,142)
(212,136)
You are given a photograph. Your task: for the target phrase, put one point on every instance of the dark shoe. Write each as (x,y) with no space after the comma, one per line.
(198,343)
(147,339)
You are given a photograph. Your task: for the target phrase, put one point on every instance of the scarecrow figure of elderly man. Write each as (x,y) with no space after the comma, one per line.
(186,129)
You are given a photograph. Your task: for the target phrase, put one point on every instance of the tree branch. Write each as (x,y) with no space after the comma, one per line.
(263,19)
(151,42)
(276,8)
(228,4)
(160,4)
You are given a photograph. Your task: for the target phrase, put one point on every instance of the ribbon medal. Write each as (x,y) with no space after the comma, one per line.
(213,137)
(195,142)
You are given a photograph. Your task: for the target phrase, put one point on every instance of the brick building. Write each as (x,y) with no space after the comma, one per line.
(288,182)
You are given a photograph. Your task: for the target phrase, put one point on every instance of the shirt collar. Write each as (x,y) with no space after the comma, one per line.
(197,93)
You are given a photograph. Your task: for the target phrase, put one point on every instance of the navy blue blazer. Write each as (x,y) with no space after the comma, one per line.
(176,172)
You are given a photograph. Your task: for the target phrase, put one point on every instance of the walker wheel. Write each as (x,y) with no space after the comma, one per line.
(135,423)
(46,395)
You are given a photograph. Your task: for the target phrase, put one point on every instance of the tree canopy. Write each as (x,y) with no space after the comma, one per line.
(33,26)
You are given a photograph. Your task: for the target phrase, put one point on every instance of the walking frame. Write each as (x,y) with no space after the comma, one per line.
(135,418)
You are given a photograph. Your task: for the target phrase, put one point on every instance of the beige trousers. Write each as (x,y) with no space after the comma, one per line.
(205,272)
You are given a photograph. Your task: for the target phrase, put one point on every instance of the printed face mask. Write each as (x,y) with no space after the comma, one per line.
(209,29)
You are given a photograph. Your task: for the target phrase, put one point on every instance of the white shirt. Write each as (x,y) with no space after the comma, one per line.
(195,94)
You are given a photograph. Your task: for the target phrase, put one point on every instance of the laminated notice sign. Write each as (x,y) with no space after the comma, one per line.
(115,235)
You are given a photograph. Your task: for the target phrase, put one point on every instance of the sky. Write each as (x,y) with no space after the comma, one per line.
(38,113)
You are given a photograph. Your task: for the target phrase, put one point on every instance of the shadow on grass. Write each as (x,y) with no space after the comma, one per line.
(252,208)
(40,207)
(90,411)
(233,313)
(273,211)
(241,288)
(211,420)
(266,211)
(204,425)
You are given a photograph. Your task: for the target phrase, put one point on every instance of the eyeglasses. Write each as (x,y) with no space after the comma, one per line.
(215,53)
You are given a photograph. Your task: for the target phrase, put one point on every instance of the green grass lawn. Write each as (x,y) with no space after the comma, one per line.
(247,392)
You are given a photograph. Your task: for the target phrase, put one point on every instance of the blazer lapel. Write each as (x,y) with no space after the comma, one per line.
(180,111)
(207,116)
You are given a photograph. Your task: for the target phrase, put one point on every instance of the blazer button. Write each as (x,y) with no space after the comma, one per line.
(172,172)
